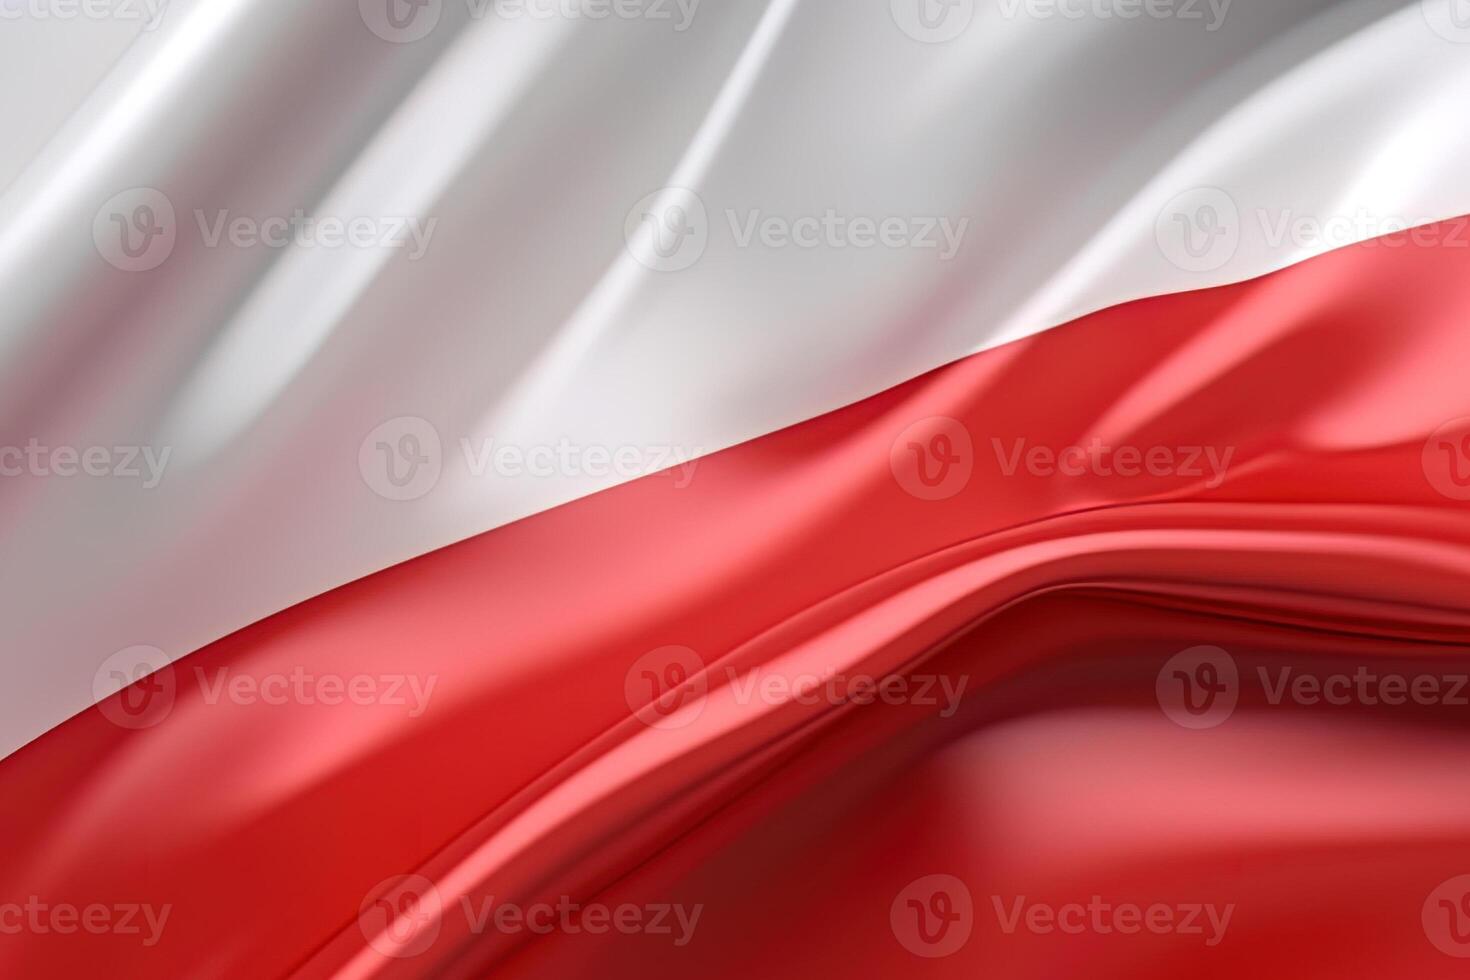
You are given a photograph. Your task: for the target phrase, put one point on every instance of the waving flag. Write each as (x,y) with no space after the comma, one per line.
(645,488)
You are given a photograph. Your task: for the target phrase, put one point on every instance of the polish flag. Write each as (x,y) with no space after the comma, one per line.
(665,488)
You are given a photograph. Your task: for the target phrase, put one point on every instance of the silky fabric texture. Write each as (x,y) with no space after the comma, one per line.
(1044,158)
(1333,538)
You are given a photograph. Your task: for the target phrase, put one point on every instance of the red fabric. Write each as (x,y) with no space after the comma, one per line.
(1335,538)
